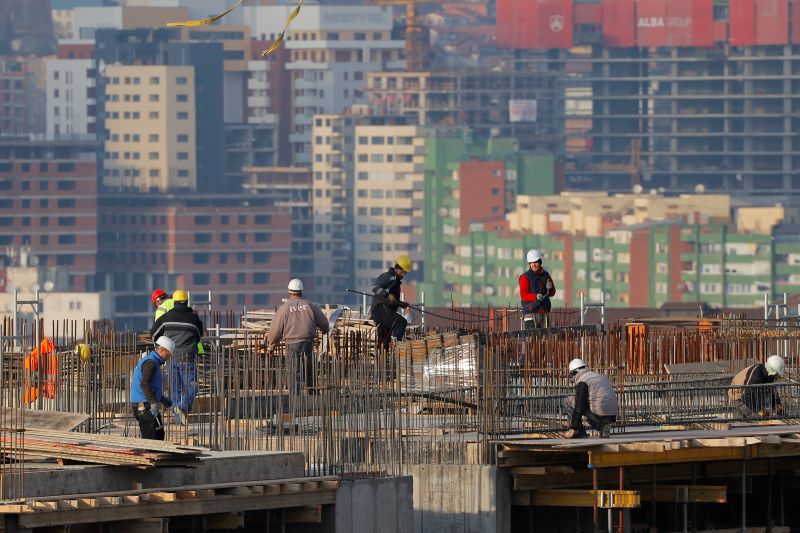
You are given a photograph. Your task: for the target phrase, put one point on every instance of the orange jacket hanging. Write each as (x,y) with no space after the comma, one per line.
(38,362)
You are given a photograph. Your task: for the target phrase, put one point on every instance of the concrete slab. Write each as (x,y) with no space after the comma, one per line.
(217,467)
(378,505)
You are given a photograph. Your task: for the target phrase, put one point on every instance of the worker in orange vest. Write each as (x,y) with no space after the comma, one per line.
(41,364)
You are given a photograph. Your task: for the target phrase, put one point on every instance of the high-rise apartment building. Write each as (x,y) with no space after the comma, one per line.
(169,96)
(150,128)
(48,204)
(22,95)
(71,92)
(669,93)
(332,48)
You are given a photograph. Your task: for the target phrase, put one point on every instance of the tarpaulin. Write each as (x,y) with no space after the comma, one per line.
(619,24)
(795,21)
(588,14)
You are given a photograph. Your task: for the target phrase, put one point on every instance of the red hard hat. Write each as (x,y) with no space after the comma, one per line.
(158,293)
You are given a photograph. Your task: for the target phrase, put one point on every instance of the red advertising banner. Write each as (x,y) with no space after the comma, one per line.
(651,16)
(555,23)
(588,14)
(742,25)
(619,23)
(772,22)
(703,23)
(795,21)
(515,21)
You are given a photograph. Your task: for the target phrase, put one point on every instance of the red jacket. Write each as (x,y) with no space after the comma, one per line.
(528,294)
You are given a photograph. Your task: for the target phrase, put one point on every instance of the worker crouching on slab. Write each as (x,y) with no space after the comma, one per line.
(146,387)
(763,400)
(595,399)
(295,324)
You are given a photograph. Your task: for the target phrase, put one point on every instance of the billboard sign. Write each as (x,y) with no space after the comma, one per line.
(522,110)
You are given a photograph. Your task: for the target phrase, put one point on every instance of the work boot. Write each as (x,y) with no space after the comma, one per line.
(180,414)
(575,433)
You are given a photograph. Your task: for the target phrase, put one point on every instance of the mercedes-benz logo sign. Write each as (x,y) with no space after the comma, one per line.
(556,23)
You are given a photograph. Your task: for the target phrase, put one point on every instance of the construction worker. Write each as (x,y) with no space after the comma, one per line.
(163,303)
(386,301)
(762,400)
(295,324)
(146,386)
(536,287)
(182,325)
(594,399)
(41,372)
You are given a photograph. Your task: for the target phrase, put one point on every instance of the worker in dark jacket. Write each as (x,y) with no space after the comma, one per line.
(595,399)
(386,301)
(762,400)
(146,387)
(536,287)
(182,325)
(296,323)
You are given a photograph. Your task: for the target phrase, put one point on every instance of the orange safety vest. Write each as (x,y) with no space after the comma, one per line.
(37,362)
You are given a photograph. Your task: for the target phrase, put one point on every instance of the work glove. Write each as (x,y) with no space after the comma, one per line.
(404,305)
(549,285)
(779,409)
(540,297)
(154,410)
(166,402)
(392,299)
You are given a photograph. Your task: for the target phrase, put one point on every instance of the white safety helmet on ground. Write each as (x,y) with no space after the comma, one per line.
(166,342)
(295,285)
(775,365)
(576,364)
(534,255)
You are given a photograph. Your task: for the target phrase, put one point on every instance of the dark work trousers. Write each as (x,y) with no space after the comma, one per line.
(390,324)
(582,409)
(300,357)
(148,423)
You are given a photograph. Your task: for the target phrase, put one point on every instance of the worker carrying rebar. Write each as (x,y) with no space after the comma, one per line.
(163,303)
(295,324)
(594,399)
(184,327)
(146,389)
(762,399)
(386,301)
(536,287)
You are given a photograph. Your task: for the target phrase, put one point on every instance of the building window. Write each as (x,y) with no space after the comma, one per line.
(181,97)
(201,279)
(66,185)
(153,137)
(182,115)
(155,80)
(153,114)
(202,238)
(240,278)
(183,173)
(181,80)
(153,98)
(183,156)
(183,138)
(66,239)
(152,156)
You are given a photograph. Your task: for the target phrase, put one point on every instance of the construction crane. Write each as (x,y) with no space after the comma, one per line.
(417,54)
(633,167)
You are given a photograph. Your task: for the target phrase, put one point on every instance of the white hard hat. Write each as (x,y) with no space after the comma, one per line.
(534,255)
(166,342)
(295,285)
(775,365)
(576,364)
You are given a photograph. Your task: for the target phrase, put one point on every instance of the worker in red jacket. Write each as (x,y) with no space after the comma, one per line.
(536,287)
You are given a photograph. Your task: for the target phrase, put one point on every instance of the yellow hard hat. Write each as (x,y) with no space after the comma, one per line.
(405,263)
(83,351)
(180,296)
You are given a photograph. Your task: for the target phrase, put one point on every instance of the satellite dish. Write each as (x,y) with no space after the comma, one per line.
(653,192)
(488,290)
(638,189)
(33,260)
(49,286)
(700,188)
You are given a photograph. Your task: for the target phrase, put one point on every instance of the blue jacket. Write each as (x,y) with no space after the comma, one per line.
(137,394)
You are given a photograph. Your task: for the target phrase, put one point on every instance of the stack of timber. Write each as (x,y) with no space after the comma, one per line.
(439,361)
(96,449)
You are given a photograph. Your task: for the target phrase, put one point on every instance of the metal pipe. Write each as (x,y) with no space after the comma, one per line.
(621,525)
(744,490)
(594,501)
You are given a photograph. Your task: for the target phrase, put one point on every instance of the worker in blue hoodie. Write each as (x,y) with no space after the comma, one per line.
(146,390)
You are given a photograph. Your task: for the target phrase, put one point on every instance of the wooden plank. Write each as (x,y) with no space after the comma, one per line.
(305,515)
(605,499)
(542,470)
(162,497)
(194,494)
(176,508)
(684,493)
(52,420)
